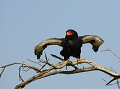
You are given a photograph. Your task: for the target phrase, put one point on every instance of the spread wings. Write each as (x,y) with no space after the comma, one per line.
(42,45)
(95,41)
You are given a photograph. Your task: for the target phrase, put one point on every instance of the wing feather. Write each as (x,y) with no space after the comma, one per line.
(42,45)
(94,40)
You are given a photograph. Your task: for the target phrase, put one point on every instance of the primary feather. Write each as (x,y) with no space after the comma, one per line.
(42,45)
(94,40)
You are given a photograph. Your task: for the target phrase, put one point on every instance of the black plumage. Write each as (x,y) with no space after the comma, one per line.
(71,44)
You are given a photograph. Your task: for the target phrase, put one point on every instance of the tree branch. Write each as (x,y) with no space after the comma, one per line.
(112,53)
(57,69)
(47,72)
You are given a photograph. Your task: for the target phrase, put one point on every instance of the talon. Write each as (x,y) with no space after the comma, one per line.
(68,60)
(80,59)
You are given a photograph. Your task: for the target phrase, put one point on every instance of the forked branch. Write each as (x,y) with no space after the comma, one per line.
(57,69)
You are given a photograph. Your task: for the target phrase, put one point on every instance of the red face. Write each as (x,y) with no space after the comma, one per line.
(69,33)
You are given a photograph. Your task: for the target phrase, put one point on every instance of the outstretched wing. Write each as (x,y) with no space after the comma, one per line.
(94,40)
(42,45)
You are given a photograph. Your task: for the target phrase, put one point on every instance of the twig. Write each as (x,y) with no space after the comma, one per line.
(2,71)
(34,62)
(57,57)
(113,69)
(19,73)
(112,53)
(3,67)
(107,82)
(23,65)
(118,84)
(111,81)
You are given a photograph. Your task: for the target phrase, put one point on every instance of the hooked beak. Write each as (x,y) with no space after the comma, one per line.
(68,33)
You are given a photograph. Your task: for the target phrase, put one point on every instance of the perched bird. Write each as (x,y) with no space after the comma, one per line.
(71,44)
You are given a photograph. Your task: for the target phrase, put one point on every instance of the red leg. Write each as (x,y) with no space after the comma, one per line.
(68,60)
(80,59)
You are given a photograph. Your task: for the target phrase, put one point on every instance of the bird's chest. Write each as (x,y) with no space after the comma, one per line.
(72,45)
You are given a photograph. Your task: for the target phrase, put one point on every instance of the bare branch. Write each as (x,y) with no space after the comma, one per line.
(111,81)
(34,62)
(47,72)
(23,65)
(57,69)
(118,84)
(11,64)
(112,53)
(57,57)
(3,67)
(2,71)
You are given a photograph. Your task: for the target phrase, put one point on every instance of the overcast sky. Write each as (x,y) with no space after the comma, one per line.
(24,23)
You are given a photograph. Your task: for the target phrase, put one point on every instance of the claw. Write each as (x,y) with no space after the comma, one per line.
(68,60)
(80,59)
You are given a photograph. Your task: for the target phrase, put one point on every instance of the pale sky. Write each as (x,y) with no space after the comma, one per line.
(24,23)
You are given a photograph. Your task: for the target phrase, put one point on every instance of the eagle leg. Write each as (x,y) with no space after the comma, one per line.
(68,60)
(80,59)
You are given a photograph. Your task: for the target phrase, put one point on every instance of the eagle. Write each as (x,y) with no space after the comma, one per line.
(71,44)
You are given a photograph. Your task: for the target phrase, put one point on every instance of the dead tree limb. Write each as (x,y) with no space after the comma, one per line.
(57,69)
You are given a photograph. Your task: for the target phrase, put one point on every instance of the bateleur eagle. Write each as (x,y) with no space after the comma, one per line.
(71,44)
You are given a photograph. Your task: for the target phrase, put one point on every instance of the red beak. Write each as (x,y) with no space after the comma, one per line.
(68,33)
